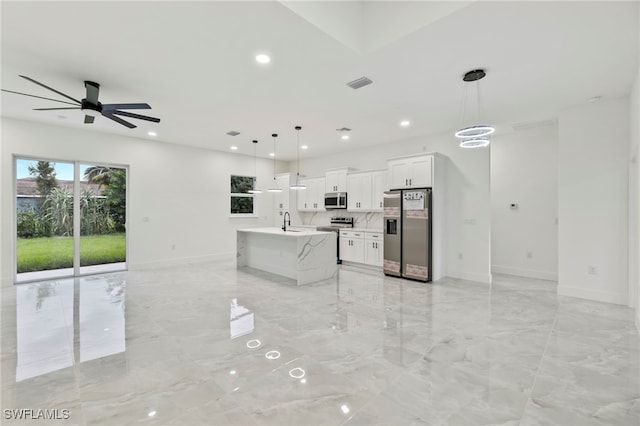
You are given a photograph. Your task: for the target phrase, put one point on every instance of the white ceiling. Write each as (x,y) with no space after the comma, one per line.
(193,62)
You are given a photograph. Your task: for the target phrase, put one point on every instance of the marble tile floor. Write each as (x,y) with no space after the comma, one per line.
(208,344)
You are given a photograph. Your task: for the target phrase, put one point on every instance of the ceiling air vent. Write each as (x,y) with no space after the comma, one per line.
(360,82)
(233,133)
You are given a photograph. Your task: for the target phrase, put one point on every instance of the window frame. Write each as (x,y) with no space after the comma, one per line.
(233,195)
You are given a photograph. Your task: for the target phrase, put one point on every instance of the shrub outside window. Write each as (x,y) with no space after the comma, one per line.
(241,199)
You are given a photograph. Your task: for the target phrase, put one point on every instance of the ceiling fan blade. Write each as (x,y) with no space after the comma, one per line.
(47,87)
(54,109)
(88,119)
(92,92)
(34,96)
(111,107)
(138,116)
(119,120)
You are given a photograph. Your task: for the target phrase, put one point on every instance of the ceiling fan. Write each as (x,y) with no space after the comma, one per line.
(90,105)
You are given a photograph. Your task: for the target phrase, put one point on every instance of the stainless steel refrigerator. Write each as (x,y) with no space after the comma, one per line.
(407,233)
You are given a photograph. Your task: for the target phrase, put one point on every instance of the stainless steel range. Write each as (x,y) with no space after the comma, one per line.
(337,223)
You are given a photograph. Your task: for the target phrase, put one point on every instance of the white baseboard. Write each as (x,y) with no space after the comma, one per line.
(471,276)
(528,273)
(598,296)
(138,266)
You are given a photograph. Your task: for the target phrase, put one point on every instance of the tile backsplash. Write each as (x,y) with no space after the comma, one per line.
(366,220)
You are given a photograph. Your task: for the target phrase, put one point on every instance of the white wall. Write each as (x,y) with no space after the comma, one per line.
(183,191)
(593,152)
(468,230)
(524,241)
(634,196)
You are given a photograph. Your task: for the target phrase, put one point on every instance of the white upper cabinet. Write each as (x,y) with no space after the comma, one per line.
(378,185)
(411,172)
(312,198)
(336,181)
(281,199)
(359,192)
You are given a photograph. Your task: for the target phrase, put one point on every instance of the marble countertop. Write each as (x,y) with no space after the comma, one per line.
(291,232)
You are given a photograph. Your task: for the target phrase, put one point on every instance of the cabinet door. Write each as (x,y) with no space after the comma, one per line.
(364,203)
(420,172)
(398,174)
(354,192)
(346,251)
(370,252)
(331,182)
(302,196)
(378,185)
(336,181)
(357,246)
(278,218)
(282,198)
(341,178)
(316,196)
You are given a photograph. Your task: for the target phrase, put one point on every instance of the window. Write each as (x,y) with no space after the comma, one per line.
(241,199)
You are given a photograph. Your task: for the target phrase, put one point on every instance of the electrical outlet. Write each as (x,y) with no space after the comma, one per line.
(459,256)
(145,219)
(529,254)
(592,270)
(173,246)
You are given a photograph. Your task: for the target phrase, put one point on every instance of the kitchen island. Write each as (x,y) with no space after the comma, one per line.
(303,255)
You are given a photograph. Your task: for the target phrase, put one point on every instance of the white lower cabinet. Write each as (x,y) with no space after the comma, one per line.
(373,248)
(352,246)
(361,247)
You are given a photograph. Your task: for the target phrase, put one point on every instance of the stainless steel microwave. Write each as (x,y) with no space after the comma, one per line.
(335,200)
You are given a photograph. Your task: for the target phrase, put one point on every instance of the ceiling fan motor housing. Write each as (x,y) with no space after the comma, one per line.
(91,109)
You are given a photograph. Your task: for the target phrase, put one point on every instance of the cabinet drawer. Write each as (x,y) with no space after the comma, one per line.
(373,236)
(352,234)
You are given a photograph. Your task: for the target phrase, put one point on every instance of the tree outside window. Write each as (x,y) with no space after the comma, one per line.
(241,199)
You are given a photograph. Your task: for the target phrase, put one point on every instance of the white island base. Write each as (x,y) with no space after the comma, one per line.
(302,255)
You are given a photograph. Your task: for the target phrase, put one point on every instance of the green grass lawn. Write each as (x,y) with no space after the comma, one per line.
(39,254)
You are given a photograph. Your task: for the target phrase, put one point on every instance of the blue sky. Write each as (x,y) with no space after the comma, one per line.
(64,171)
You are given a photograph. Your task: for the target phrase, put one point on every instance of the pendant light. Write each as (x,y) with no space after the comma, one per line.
(475,136)
(298,185)
(275,182)
(255,190)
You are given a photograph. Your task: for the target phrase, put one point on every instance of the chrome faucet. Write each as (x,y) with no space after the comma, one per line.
(284,225)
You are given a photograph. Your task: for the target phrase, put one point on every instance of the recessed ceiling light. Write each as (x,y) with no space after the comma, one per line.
(345,409)
(304,147)
(234,148)
(263,59)
(594,99)
(345,137)
(151,413)
(271,154)
(152,134)
(405,123)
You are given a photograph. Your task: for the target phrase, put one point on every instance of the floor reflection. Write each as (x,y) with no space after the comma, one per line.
(209,344)
(59,322)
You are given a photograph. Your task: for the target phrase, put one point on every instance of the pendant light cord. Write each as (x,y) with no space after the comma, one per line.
(275,135)
(298,128)
(255,164)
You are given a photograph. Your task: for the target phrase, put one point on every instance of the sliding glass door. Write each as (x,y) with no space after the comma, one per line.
(70,219)
(103,213)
